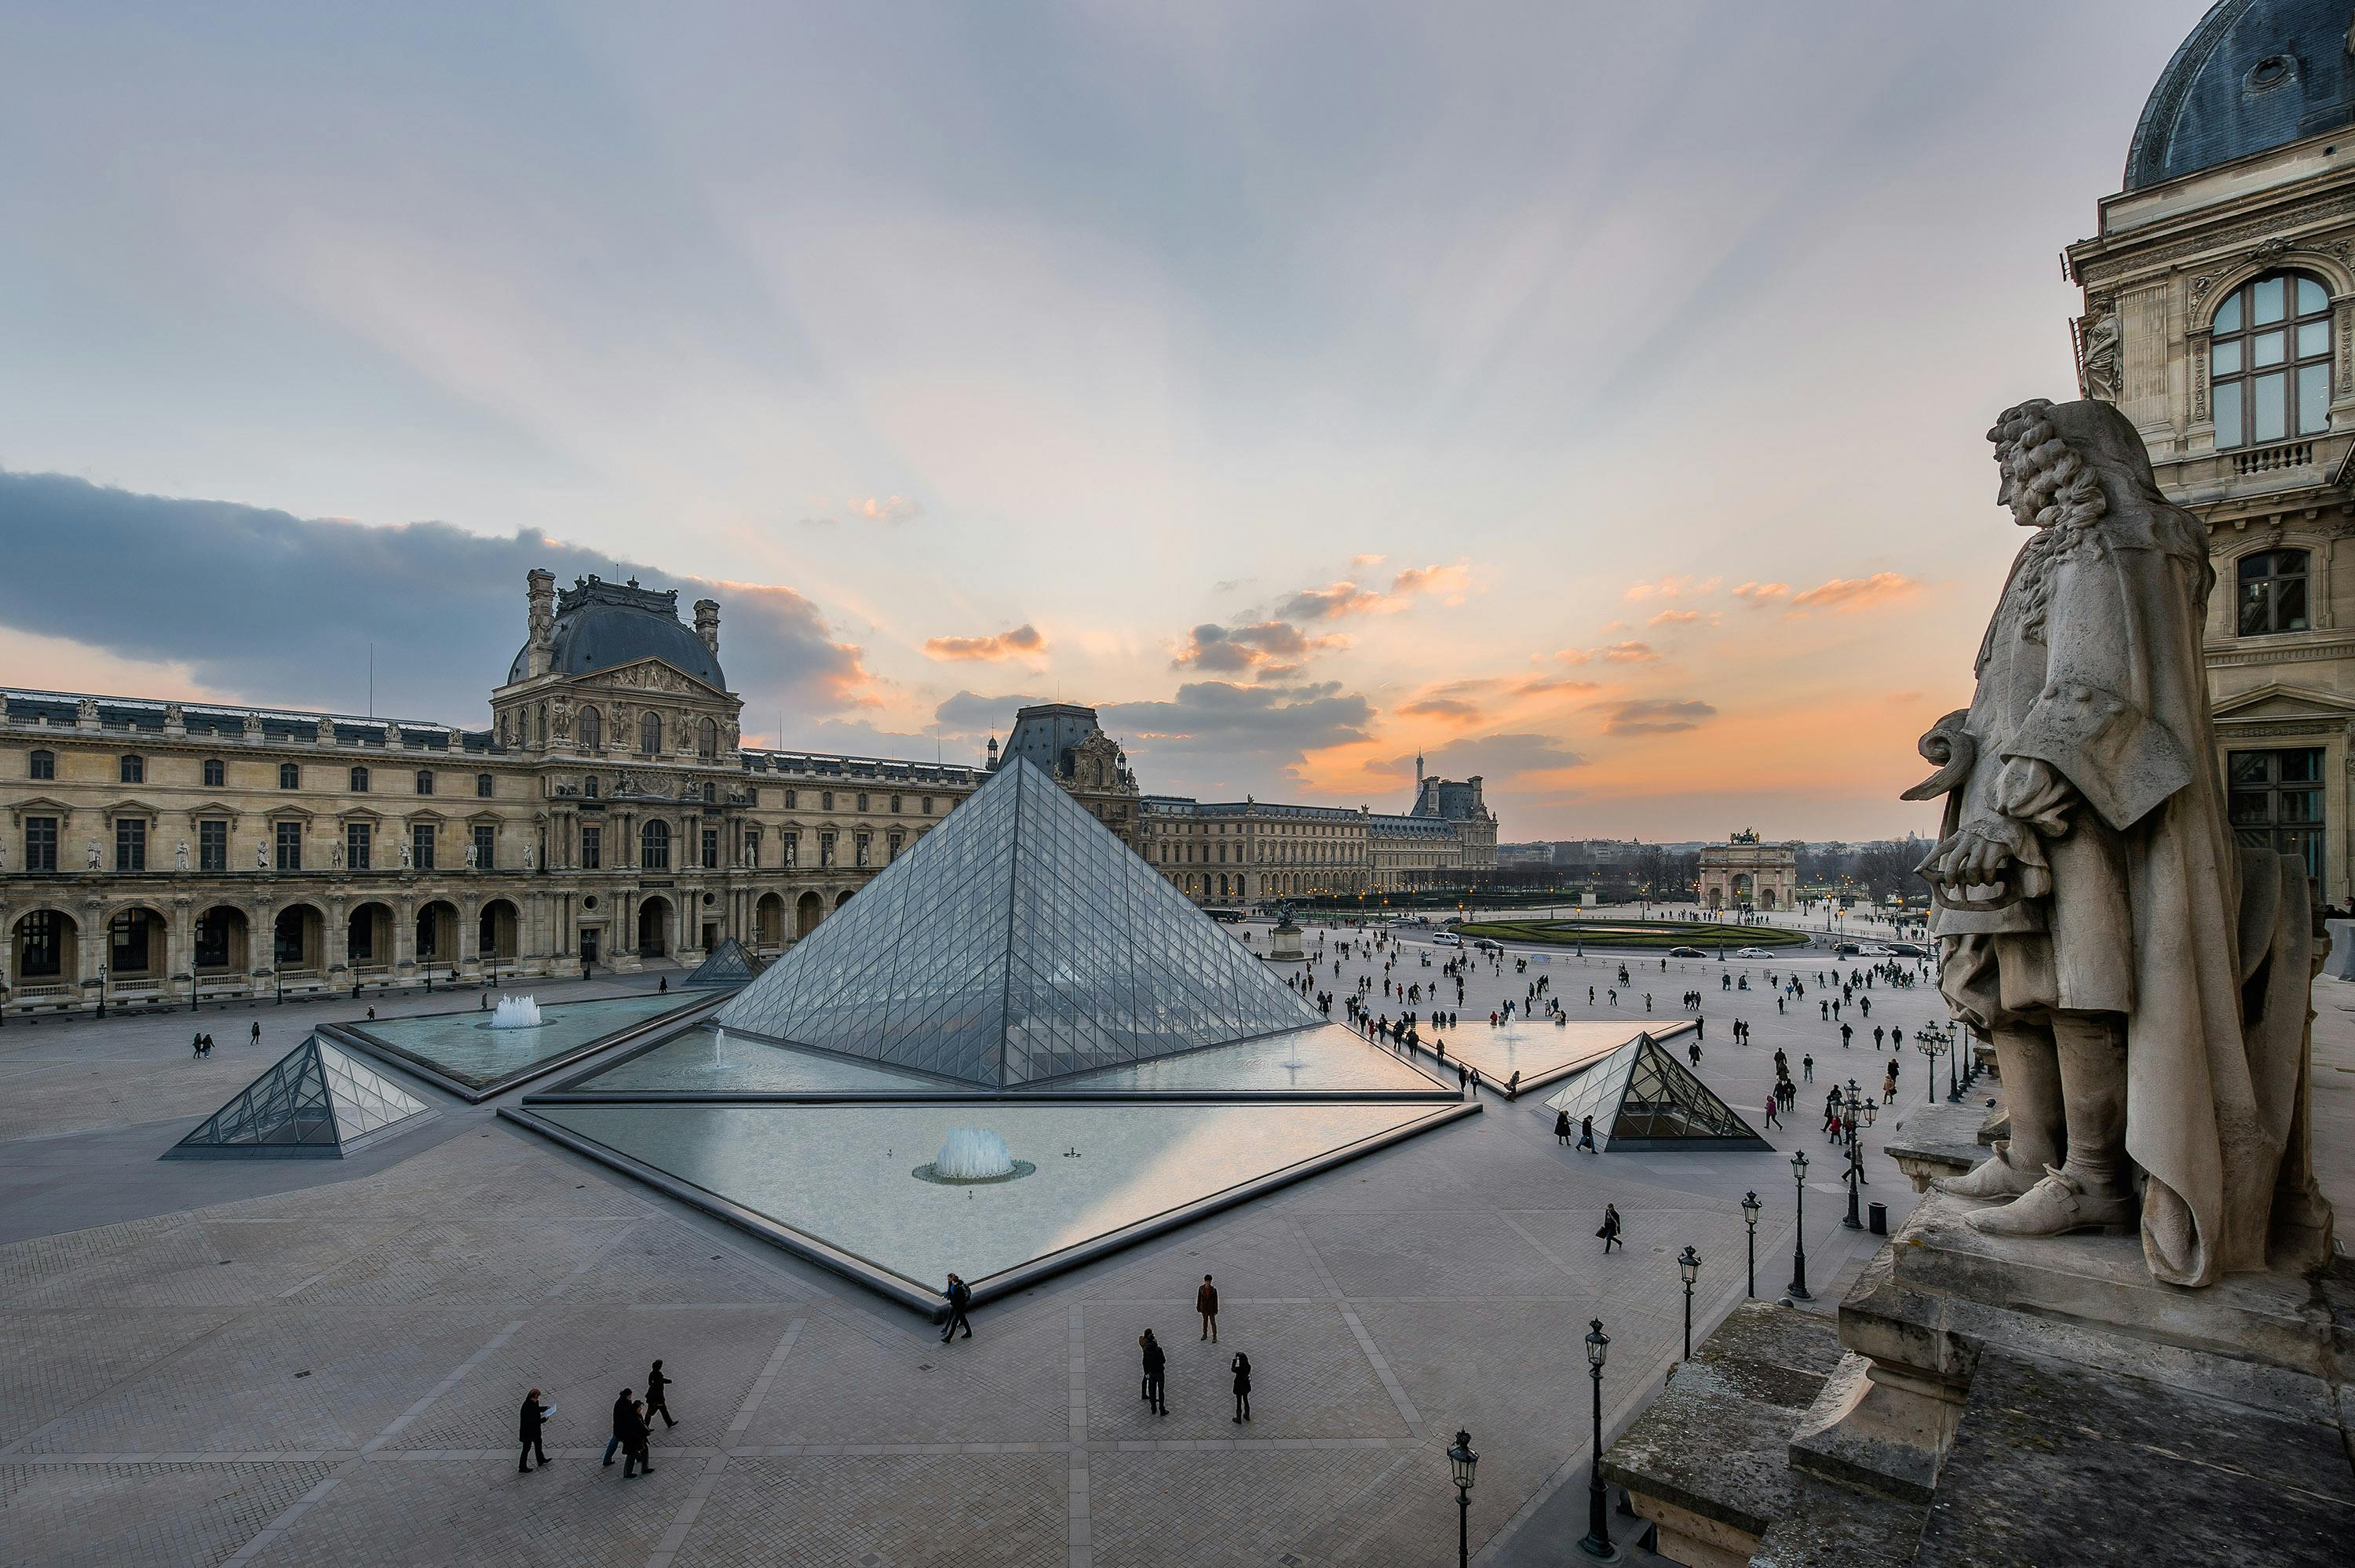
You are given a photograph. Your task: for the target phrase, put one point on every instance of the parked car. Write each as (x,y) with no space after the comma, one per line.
(1486,946)
(1687,953)
(1753,952)
(1908,950)
(1844,949)
(1875,950)
(1448,939)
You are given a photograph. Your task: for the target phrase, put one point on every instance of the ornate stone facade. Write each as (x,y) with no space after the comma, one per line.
(1744,873)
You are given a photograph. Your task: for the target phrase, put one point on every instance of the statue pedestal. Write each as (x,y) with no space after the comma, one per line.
(1284,945)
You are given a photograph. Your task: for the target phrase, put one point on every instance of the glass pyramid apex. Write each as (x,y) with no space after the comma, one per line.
(314,1102)
(1019,940)
(1642,1097)
(728,964)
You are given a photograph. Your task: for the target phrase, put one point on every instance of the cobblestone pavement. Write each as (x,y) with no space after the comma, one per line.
(320,1363)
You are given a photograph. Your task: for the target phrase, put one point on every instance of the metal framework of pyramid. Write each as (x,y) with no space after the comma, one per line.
(1020,940)
(315,1103)
(1642,1097)
(729,964)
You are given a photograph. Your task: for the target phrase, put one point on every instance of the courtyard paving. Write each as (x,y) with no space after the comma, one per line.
(320,1363)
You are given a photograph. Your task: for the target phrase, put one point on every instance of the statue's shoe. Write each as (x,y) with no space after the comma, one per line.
(1995,1177)
(2056,1206)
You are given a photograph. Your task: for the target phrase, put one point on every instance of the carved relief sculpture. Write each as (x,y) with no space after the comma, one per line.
(2097,336)
(2143,980)
(180,856)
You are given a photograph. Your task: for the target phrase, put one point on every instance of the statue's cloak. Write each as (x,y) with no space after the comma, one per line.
(2092,665)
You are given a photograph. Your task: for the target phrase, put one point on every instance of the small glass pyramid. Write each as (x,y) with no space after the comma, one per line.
(1642,1097)
(1018,941)
(315,1103)
(728,964)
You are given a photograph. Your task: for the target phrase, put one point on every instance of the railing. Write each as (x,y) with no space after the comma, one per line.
(2265,460)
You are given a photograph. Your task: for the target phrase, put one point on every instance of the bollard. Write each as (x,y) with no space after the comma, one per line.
(1876,1219)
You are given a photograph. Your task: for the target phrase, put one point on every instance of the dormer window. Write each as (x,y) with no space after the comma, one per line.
(2269,361)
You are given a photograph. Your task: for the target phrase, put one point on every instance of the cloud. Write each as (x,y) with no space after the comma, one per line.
(970,713)
(1761,594)
(1362,563)
(1024,641)
(1454,708)
(1683,618)
(883,509)
(1494,758)
(1225,729)
(277,609)
(1274,648)
(1334,600)
(1847,596)
(1654,715)
(1448,582)
(1348,597)
(1672,587)
(1540,686)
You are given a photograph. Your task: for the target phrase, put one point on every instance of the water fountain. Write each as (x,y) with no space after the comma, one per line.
(516,1012)
(974,1154)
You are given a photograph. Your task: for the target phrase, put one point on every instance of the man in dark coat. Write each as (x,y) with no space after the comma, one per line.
(658,1397)
(960,1296)
(527,1430)
(622,1408)
(1206,1302)
(636,1460)
(1156,1362)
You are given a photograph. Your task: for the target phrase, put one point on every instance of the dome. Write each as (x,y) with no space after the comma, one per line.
(603,626)
(2253,75)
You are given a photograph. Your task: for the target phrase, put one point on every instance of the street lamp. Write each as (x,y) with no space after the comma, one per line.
(1854,1107)
(1749,1208)
(1798,1290)
(102,990)
(1598,1520)
(1461,1461)
(1953,1087)
(1930,1043)
(1690,1267)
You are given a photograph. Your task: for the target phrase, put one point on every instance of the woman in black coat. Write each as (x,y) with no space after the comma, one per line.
(1242,1364)
(1562,1126)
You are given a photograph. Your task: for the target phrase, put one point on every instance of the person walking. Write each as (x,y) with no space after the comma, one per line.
(257,1032)
(1808,1066)
(1770,1120)
(636,1459)
(1847,1030)
(624,1409)
(1241,1367)
(1609,1231)
(960,1296)
(1586,1134)
(1157,1363)
(1206,1302)
(658,1397)
(527,1428)
(1562,1126)
(1693,1051)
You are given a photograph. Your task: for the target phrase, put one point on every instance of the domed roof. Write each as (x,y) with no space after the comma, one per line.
(2253,75)
(603,626)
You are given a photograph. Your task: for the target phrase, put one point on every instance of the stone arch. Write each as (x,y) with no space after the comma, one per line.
(136,942)
(368,938)
(436,935)
(221,941)
(44,951)
(769,922)
(653,927)
(843,897)
(808,910)
(298,938)
(498,928)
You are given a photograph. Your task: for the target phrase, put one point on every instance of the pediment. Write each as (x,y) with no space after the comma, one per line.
(41,806)
(647,677)
(2278,701)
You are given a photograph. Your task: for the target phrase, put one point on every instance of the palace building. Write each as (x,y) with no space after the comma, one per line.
(2219,317)
(163,852)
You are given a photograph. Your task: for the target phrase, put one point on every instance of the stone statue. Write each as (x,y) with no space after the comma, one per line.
(2144,982)
(91,858)
(335,855)
(526,857)
(406,858)
(261,857)
(470,857)
(180,856)
(2097,336)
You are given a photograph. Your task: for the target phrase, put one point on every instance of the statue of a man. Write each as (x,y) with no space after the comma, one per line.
(180,856)
(2144,982)
(90,857)
(261,857)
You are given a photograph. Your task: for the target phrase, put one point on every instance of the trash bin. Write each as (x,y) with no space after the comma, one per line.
(1877,1219)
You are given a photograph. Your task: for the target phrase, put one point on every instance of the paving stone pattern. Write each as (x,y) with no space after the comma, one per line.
(323,1365)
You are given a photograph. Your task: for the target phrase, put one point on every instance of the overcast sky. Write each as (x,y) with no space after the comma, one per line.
(1589,395)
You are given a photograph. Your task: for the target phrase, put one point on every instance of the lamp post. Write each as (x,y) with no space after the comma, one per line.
(1688,1265)
(1954,1086)
(1461,1461)
(102,990)
(1798,1291)
(1853,1105)
(1597,1542)
(1749,1208)
(1930,1044)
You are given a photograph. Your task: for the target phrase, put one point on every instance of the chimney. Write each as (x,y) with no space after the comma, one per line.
(707,623)
(541,593)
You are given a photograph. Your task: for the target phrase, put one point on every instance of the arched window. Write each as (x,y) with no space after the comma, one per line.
(650,735)
(360,780)
(654,846)
(290,776)
(133,770)
(593,730)
(2269,361)
(2272,592)
(45,765)
(706,740)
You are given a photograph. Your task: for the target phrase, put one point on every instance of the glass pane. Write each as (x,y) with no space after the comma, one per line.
(2256,610)
(2251,808)
(2226,358)
(2249,766)
(2302,766)
(2268,347)
(2310,297)
(2313,338)
(2313,399)
(2270,409)
(2301,806)
(2228,415)
(2307,844)
(2228,319)
(2266,300)
(2290,606)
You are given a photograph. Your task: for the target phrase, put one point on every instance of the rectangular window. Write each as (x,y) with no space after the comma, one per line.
(421,845)
(825,850)
(42,954)
(928,805)
(40,843)
(289,837)
(216,773)
(212,940)
(133,770)
(486,845)
(128,942)
(793,851)
(2274,800)
(711,849)
(482,786)
(45,765)
(2270,407)
(892,847)
(359,842)
(212,846)
(862,850)
(752,849)
(130,843)
(593,849)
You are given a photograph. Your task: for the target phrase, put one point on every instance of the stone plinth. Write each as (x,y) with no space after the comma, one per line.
(1284,944)
(1939,1139)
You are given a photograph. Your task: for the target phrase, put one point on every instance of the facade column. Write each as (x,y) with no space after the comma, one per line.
(404,933)
(180,945)
(338,942)
(469,932)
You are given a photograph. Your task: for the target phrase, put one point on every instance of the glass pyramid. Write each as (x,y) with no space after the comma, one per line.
(1018,941)
(729,964)
(316,1103)
(1642,1097)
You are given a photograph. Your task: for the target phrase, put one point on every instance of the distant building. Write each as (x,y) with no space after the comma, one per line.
(1744,873)
(1063,741)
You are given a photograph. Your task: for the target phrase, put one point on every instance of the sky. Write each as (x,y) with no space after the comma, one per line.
(1589,397)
